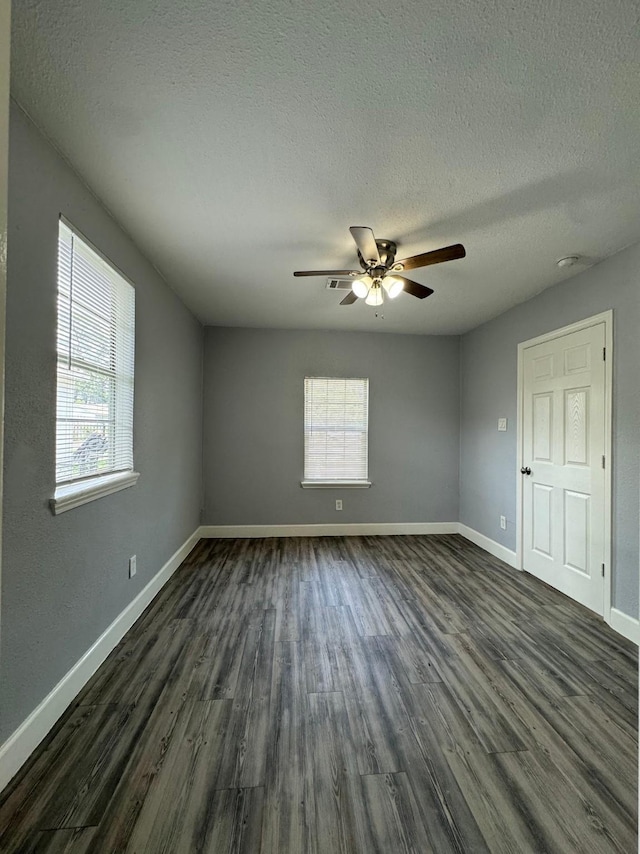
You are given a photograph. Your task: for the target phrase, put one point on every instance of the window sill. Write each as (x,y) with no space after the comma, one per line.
(68,496)
(335,484)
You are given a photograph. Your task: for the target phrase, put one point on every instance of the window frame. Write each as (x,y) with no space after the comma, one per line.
(335,482)
(73,493)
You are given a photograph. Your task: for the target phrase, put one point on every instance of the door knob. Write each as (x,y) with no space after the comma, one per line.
(525,470)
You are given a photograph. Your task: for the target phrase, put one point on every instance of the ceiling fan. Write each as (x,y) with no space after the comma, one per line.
(379,268)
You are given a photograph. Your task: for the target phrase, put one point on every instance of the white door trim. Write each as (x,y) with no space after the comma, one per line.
(605,317)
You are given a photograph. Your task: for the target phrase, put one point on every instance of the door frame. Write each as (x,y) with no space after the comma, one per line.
(605,317)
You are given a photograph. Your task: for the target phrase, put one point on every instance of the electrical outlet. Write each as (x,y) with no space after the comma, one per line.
(503,523)
(132,566)
(338,503)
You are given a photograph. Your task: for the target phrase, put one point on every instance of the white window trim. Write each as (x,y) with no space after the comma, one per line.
(335,484)
(70,495)
(333,479)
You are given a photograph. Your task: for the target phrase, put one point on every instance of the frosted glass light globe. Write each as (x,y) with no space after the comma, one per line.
(360,287)
(393,286)
(374,296)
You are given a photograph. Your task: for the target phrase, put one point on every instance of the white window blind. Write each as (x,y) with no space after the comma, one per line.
(336,424)
(96,317)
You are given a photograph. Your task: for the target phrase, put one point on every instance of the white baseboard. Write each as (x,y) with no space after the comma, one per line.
(330,530)
(489,545)
(21,744)
(625,625)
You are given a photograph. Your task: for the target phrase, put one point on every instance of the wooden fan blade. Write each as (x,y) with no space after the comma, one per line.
(413,288)
(366,243)
(447,253)
(328,273)
(349,299)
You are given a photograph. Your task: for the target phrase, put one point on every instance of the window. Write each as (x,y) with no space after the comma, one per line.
(336,416)
(95,349)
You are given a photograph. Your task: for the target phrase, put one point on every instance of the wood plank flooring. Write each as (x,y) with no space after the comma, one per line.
(338,695)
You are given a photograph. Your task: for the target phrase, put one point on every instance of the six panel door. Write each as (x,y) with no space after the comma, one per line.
(563,445)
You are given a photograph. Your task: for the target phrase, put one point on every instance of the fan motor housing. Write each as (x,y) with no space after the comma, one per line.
(386,249)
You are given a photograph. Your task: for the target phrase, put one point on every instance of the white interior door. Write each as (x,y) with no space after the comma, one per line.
(563,489)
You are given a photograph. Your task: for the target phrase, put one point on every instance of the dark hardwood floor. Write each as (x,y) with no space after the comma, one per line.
(365,694)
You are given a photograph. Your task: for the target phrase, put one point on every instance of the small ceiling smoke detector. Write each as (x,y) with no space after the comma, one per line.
(569,261)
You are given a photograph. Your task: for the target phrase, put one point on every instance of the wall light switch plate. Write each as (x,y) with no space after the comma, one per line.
(132,566)
(502,425)
(503,523)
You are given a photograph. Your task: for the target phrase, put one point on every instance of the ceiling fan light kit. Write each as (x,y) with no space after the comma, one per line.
(393,286)
(375,296)
(361,287)
(377,259)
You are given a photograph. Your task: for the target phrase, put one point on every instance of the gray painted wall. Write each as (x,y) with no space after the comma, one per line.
(5,49)
(488,368)
(65,578)
(253,434)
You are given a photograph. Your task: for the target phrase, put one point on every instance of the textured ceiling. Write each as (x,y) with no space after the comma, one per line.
(238,141)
